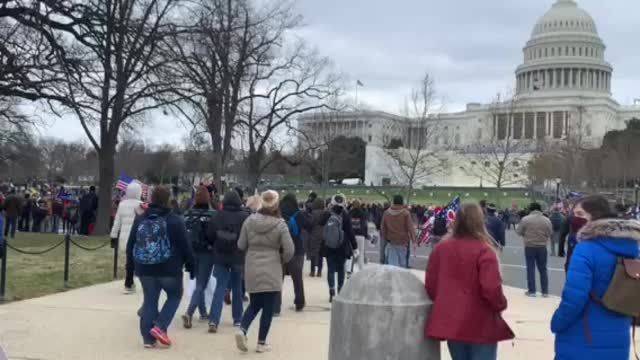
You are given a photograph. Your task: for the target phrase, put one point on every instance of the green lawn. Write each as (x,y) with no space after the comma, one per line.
(437,197)
(30,276)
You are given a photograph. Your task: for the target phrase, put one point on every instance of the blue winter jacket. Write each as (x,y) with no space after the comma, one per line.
(592,266)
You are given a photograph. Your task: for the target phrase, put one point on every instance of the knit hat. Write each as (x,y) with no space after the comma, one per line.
(338,200)
(270,199)
(254,202)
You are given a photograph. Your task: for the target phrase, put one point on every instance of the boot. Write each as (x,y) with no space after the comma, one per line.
(332,294)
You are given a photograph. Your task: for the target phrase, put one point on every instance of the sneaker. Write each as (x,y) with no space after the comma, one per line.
(332,294)
(204,318)
(187,321)
(545,295)
(530,294)
(160,335)
(319,274)
(299,308)
(237,324)
(312,274)
(149,346)
(263,348)
(129,290)
(241,341)
(213,328)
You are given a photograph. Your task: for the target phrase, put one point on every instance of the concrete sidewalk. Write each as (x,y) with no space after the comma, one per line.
(99,322)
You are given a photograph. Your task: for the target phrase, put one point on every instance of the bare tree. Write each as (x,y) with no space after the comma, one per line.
(416,158)
(281,89)
(500,160)
(109,66)
(215,57)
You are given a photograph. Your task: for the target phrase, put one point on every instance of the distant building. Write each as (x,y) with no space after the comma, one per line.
(562,87)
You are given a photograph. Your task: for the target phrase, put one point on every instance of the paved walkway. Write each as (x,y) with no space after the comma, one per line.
(99,323)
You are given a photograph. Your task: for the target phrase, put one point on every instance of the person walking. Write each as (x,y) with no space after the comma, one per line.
(12,210)
(473,331)
(495,226)
(583,326)
(27,209)
(224,230)
(339,243)
(399,231)
(314,246)
(297,222)
(197,221)
(360,226)
(266,240)
(557,221)
(159,249)
(126,214)
(536,231)
(88,208)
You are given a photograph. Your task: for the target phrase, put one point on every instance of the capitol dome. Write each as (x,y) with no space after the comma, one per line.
(565,54)
(565,17)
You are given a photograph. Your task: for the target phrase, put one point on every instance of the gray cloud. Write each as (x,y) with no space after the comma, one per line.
(471,47)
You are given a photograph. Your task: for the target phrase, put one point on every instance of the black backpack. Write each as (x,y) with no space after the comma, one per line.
(440,226)
(197,223)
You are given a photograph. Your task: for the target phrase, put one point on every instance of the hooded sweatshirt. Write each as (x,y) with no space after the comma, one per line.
(601,244)
(230,218)
(397,226)
(126,214)
(267,244)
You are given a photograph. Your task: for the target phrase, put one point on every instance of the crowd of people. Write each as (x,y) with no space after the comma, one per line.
(48,209)
(250,245)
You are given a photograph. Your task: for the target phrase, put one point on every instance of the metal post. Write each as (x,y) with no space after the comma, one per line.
(637,189)
(3,270)
(67,246)
(115,261)
(557,191)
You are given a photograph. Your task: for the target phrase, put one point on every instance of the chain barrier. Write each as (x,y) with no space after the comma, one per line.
(67,242)
(88,248)
(25,252)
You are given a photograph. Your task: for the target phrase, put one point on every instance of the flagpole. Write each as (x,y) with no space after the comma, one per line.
(357,94)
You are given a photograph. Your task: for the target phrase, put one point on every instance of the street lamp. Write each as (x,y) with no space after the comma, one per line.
(558,182)
(637,188)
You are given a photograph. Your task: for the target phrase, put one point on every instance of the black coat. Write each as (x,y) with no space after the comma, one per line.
(231,217)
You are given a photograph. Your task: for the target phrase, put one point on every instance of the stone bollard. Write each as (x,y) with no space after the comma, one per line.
(380,315)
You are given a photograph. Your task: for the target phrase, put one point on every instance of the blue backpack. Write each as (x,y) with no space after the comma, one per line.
(292,223)
(152,245)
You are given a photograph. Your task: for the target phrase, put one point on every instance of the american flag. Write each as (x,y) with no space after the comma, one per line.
(123,182)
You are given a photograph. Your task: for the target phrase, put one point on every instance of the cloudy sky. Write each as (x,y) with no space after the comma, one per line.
(471,47)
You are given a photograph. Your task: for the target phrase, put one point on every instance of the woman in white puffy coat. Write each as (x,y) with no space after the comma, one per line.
(130,206)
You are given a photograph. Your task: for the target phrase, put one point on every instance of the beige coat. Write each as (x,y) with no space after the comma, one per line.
(536,230)
(262,238)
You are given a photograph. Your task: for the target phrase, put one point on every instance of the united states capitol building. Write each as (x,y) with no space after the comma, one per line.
(562,86)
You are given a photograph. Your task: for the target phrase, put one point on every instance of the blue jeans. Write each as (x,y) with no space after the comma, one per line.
(10,225)
(55,224)
(467,351)
(264,302)
(204,264)
(335,264)
(397,255)
(151,288)
(537,257)
(225,274)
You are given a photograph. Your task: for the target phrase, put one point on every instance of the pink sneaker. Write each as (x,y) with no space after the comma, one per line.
(160,335)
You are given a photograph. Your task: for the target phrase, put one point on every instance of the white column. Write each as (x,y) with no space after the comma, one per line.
(547,79)
(562,78)
(570,78)
(601,77)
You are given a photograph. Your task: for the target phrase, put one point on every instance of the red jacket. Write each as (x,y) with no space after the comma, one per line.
(463,280)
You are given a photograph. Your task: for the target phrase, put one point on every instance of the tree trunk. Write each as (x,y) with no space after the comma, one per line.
(105,185)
